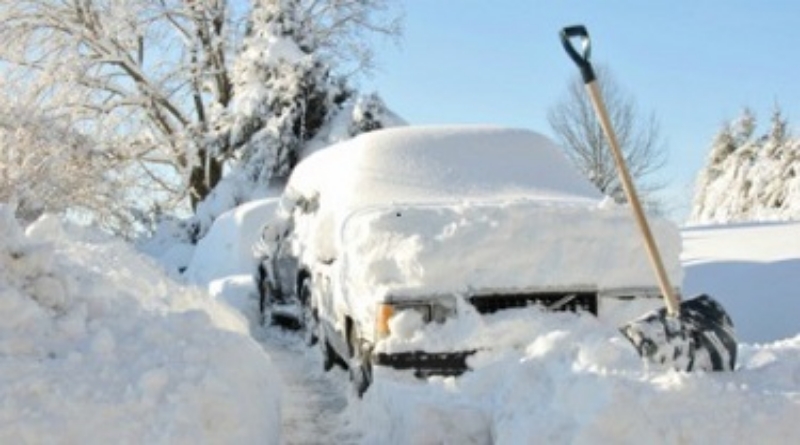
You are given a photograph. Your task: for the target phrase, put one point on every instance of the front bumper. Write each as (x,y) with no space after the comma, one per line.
(426,364)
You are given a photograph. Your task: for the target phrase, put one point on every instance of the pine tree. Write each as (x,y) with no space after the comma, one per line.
(748,178)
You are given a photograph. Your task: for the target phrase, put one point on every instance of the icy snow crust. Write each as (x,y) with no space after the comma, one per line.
(98,346)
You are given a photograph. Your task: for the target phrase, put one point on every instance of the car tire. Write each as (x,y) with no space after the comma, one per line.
(309,317)
(360,368)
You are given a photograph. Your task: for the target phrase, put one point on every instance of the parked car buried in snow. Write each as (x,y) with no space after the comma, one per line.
(431,224)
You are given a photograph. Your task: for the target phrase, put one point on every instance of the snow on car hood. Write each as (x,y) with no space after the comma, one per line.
(409,251)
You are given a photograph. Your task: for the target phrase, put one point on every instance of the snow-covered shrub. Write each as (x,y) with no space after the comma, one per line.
(749,178)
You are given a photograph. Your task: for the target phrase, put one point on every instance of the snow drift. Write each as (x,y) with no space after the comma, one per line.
(563,378)
(98,346)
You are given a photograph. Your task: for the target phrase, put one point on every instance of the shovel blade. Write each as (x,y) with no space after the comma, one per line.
(701,338)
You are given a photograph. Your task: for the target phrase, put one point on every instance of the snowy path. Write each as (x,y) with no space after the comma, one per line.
(315,403)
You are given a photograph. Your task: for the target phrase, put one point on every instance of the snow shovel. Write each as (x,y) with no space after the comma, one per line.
(695,334)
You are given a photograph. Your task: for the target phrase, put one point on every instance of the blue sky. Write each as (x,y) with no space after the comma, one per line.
(695,64)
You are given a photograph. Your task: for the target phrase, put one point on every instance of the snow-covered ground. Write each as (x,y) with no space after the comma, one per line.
(98,345)
(573,381)
(754,269)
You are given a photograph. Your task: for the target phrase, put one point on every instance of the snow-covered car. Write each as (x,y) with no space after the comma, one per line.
(438,222)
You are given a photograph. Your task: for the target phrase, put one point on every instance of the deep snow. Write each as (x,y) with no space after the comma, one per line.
(573,380)
(96,344)
(561,378)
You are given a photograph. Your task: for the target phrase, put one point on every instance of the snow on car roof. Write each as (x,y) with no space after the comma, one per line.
(448,163)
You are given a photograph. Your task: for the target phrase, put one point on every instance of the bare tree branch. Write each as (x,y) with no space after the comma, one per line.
(575,124)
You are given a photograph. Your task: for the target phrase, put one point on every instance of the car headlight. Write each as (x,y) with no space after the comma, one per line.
(438,310)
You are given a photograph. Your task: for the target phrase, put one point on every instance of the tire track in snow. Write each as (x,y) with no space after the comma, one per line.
(314,403)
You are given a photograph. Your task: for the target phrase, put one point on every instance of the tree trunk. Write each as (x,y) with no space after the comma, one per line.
(201,182)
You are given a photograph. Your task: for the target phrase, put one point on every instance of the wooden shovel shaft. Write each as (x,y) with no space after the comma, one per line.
(670,298)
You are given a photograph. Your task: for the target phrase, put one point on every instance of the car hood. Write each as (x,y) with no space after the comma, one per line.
(407,251)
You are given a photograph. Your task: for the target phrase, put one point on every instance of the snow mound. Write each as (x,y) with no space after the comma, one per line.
(227,248)
(415,164)
(540,245)
(98,346)
(571,380)
(568,379)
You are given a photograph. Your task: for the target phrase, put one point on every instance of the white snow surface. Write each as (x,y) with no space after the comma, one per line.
(562,378)
(231,237)
(501,247)
(754,269)
(97,345)
(399,165)
(420,212)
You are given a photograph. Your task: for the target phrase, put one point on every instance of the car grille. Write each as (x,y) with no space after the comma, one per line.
(560,301)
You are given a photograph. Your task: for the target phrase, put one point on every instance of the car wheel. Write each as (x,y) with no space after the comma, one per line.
(360,367)
(309,318)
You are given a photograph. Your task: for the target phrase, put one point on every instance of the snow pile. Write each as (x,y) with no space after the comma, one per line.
(227,248)
(440,164)
(572,384)
(577,381)
(513,246)
(562,378)
(97,346)
(223,261)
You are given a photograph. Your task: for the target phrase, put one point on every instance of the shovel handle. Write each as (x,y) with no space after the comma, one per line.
(582,60)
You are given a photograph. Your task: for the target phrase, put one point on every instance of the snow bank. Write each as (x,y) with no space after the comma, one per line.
(574,380)
(227,248)
(98,346)
(511,246)
(753,270)
(563,378)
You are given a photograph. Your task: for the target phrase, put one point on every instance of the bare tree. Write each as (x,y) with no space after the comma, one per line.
(47,167)
(575,124)
(151,80)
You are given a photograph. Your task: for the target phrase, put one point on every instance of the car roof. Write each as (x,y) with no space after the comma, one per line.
(429,164)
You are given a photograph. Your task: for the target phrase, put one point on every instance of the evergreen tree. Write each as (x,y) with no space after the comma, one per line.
(747,178)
